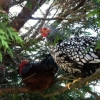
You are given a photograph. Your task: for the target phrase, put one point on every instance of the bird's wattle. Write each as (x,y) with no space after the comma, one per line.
(44,34)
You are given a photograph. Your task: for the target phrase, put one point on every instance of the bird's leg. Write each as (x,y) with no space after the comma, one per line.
(77,80)
(68,85)
(74,81)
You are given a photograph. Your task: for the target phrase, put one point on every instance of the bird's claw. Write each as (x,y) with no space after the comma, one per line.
(70,83)
(77,80)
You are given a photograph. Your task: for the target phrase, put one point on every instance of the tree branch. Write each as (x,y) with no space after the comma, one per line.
(94,94)
(55,18)
(77,84)
(13,90)
(26,13)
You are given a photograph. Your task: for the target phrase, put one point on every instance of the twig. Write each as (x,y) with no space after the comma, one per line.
(55,18)
(94,94)
(30,30)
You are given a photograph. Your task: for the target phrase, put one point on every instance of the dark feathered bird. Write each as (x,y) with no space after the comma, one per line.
(77,56)
(38,76)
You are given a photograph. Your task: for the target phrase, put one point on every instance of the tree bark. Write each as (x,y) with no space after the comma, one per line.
(5,4)
(26,13)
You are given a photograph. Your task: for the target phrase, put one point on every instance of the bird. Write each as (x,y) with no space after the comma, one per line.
(2,72)
(77,56)
(38,76)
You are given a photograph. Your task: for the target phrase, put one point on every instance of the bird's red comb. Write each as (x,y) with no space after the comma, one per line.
(44,31)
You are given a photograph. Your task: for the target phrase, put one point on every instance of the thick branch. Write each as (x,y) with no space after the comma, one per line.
(77,84)
(26,13)
(13,90)
(5,4)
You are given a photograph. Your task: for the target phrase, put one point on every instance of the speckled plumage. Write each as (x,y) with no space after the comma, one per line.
(71,54)
(77,55)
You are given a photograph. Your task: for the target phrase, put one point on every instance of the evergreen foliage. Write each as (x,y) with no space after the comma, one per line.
(16,45)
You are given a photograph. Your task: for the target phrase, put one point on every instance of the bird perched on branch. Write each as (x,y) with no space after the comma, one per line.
(38,76)
(77,56)
(2,72)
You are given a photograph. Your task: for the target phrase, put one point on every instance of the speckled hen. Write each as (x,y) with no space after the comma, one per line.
(77,56)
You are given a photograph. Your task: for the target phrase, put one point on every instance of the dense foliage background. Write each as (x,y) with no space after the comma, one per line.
(20,21)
